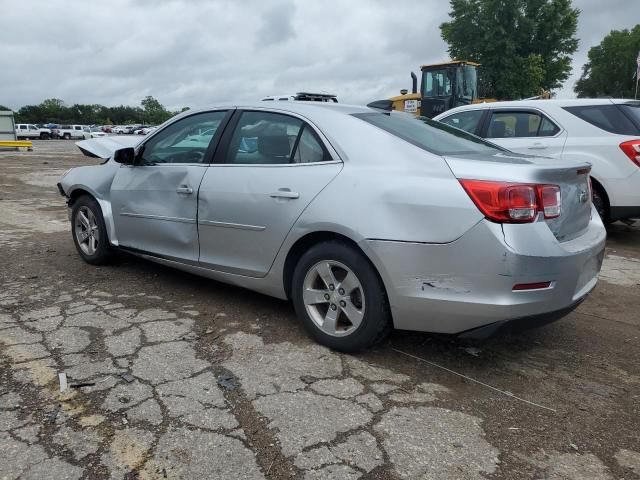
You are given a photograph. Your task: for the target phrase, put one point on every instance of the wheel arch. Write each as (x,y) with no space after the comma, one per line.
(597,185)
(105,208)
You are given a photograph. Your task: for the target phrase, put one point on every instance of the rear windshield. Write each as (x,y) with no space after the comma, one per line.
(432,136)
(622,119)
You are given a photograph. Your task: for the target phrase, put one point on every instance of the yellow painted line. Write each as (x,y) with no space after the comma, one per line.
(16,143)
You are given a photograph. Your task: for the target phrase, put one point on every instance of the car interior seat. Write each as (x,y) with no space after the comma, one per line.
(274,149)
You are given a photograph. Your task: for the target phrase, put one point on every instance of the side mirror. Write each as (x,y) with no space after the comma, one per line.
(125,156)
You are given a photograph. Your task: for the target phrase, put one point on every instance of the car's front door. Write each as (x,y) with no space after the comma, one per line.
(155,201)
(269,168)
(525,131)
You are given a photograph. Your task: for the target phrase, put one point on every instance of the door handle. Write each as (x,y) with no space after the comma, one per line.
(184,189)
(284,193)
(537,146)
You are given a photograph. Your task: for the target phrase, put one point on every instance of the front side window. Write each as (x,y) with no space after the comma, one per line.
(430,135)
(467,121)
(184,141)
(266,138)
(516,125)
(436,83)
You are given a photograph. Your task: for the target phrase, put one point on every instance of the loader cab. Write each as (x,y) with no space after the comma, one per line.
(443,86)
(448,85)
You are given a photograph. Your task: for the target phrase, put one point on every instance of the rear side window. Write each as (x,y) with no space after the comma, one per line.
(467,121)
(432,136)
(267,138)
(610,118)
(509,124)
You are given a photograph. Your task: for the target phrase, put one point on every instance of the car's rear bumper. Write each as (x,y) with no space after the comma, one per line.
(518,324)
(467,284)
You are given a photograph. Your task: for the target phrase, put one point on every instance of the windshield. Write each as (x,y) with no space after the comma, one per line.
(432,136)
(436,83)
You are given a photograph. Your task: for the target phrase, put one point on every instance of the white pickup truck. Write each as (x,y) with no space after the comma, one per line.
(70,131)
(27,131)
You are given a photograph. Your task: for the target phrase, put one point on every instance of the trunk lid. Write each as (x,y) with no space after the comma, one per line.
(104,147)
(571,177)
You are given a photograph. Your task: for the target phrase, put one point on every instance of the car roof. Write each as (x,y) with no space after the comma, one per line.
(299,107)
(541,103)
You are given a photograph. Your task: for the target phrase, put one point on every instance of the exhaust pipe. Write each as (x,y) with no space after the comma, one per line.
(414,83)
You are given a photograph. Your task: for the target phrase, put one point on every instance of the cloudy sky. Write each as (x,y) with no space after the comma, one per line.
(194,52)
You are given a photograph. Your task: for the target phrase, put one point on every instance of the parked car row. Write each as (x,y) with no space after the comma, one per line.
(27,131)
(603,132)
(129,129)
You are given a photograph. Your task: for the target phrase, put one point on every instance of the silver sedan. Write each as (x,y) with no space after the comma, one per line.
(367,220)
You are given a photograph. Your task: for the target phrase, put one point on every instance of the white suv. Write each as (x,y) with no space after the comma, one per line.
(604,132)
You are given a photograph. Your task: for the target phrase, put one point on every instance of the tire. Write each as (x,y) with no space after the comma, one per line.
(601,202)
(45,136)
(93,247)
(364,298)
(66,136)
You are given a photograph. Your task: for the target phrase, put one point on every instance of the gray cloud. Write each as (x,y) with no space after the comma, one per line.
(203,51)
(277,25)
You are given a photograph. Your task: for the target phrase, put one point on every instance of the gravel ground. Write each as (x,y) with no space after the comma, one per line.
(189,378)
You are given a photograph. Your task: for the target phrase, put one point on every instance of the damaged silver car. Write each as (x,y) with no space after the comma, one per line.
(367,220)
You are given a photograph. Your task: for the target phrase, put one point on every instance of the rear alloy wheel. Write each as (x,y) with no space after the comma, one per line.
(66,136)
(340,298)
(45,136)
(89,231)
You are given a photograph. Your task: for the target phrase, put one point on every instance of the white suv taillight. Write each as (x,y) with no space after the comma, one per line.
(506,202)
(632,150)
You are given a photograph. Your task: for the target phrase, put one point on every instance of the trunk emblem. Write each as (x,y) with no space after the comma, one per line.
(583,196)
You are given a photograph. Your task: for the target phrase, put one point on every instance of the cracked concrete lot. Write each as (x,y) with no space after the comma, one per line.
(175,376)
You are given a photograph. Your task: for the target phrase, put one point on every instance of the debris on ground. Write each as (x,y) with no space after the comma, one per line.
(127,377)
(227,381)
(53,414)
(82,384)
(62,378)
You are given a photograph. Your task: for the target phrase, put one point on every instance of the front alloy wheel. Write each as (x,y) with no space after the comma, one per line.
(87,231)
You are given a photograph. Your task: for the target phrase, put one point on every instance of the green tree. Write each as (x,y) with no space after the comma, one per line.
(154,111)
(524,46)
(5,109)
(610,71)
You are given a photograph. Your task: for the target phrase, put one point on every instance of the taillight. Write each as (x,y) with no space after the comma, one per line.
(504,202)
(632,150)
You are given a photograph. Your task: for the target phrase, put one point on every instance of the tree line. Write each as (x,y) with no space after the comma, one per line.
(54,110)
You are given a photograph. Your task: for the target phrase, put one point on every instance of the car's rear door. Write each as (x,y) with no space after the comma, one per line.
(268,168)
(525,131)
(155,201)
